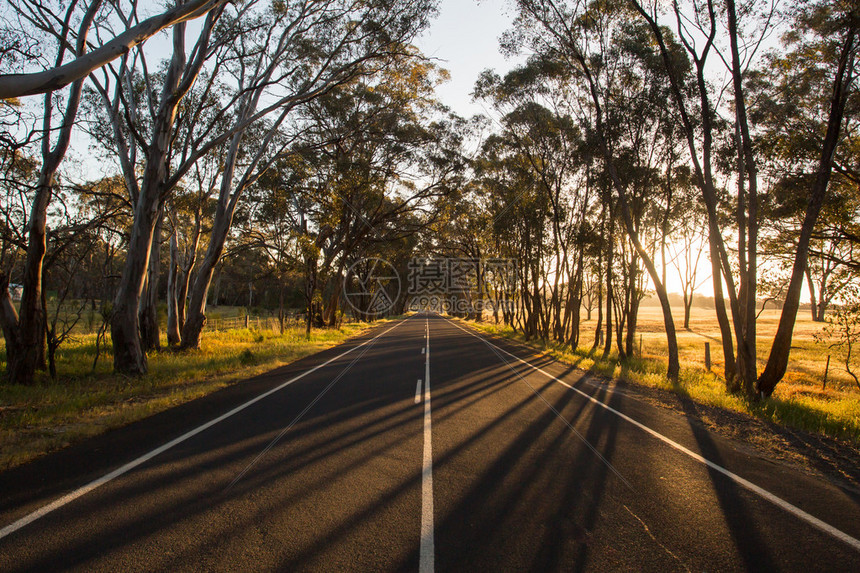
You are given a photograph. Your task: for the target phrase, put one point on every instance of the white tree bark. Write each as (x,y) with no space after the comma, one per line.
(18,85)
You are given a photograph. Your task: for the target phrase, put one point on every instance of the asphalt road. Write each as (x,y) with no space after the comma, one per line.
(344,461)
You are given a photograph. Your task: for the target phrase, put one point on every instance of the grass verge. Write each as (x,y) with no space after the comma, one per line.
(47,416)
(835,414)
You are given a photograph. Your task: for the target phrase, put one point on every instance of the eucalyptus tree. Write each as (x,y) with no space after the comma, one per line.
(258,62)
(270,222)
(59,35)
(379,158)
(818,25)
(62,73)
(520,218)
(793,100)
(552,145)
(464,230)
(577,35)
(685,62)
(67,31)
(189,215)
(642,135)
(832,28)
(536,122)
(828,268)
(303,51)
(141,108)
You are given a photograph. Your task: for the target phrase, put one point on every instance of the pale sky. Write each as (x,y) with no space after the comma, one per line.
(465,40)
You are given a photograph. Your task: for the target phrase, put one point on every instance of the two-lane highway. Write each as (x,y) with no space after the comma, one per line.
(421,446)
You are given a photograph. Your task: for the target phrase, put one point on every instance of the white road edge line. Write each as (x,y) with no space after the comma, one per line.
(69,497)
(418,391)
(426,563)
(774,499)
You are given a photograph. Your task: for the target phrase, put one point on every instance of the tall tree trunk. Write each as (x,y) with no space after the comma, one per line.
(220,228)
(778,359)
(150,336)
(633,309)
(27,327)
(196,319)
(598,280)
(29,332)
(688,308)
(732,381)
(812,302)
(281,314)
(173,334)
(182,295)
(610,247)
(310,291)
(129,357)
(674,367)
(747,219)
(702,171)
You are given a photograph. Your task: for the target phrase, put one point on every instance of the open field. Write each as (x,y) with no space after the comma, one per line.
(799,400)
(48,416)
(83,318)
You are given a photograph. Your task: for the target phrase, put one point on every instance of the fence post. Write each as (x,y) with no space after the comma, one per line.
(826,370)
(640,345)
(708,356)
(247,319)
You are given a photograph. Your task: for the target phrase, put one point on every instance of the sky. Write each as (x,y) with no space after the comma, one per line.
(465,40)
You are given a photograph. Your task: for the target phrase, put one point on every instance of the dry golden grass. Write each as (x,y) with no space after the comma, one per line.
(50,415)
(799,401)
(808,357)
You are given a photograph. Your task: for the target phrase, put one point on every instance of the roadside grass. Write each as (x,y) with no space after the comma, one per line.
(50,415)
(799,400)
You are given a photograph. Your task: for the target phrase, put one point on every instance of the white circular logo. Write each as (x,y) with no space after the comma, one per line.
(371,286)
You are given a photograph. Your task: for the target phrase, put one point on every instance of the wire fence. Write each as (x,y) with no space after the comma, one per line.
(267,322)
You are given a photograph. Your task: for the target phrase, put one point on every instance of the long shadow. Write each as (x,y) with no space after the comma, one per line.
(486,492)
(344,528)
(537,359)
(703,335)
(389,412)
(475,525)
(748,540)
(605,423)
(162,515)
(51,476)
(150,521)
(143,525)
